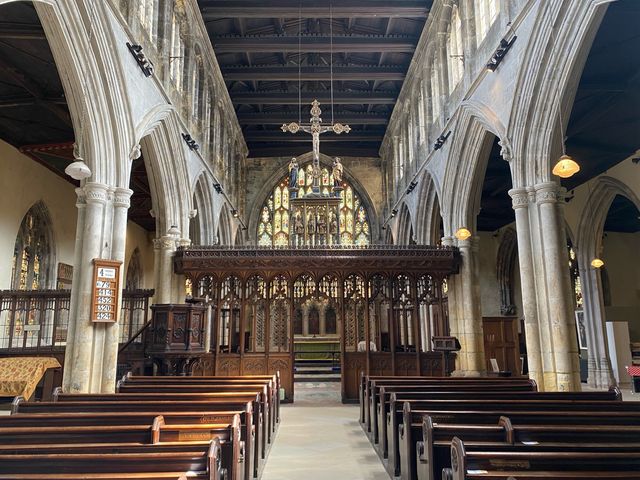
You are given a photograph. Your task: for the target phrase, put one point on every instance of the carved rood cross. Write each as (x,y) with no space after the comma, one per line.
(315,128)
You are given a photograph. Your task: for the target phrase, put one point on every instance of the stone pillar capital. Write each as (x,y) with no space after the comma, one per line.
(547,193)
(519,198)
(82,198)
(447,241)
(122,197)
(96,193)
(166,242)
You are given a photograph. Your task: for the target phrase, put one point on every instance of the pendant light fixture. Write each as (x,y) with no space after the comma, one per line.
(566,166)
(462,233)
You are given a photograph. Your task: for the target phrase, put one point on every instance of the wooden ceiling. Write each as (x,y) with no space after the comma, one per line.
(277,55)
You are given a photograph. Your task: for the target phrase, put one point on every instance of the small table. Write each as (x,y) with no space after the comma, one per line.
(634,373)
(21,375)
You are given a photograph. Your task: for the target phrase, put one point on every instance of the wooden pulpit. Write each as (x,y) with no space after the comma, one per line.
(177,339)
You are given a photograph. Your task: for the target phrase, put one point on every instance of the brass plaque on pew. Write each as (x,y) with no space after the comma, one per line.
(214,419)
(510,464)
(192,436)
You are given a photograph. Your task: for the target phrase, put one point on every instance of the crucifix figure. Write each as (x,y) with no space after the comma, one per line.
(315,128)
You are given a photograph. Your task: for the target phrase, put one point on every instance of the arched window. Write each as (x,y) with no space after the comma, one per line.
(176,52)
(147,14)
(454,50)
(435,93)
(486,12)
(33,255)
(274,222)
(134,271)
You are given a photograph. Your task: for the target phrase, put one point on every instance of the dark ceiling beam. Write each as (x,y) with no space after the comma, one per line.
(11,101)
(18,31)
(13,73)
(280,118)
(316,44)
(276,136)
(299,149)
(314,72)
(212,9)
(291,98)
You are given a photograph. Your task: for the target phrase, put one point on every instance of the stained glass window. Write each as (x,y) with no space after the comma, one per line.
(31,257)
(273,228)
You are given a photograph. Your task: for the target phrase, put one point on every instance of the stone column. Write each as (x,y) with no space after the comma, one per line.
(600,373)
(164,247)
(323,320)
(469,313)
(305,321)
(558,299)
(91,351)
(121,204)
(520,202)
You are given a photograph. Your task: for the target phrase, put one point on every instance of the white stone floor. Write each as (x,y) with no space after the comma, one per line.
(319,438)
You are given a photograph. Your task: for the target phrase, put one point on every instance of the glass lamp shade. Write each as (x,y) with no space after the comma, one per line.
(78,170)
(597,263)
(462,233)
(566,167)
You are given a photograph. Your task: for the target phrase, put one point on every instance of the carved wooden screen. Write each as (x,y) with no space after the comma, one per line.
(379,303)
(229,315)
(328,297)
(305,304)
(255,314)
(280,312)
(403,315)
(354,313)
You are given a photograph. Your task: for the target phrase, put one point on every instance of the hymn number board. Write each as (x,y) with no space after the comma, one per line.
(106,287)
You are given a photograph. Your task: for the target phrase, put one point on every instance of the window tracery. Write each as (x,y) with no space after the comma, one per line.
(486,12)
(454,50)
(275,216)
(435,93)
(147,17)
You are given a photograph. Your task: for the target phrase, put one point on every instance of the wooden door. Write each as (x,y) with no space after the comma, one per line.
(501,343)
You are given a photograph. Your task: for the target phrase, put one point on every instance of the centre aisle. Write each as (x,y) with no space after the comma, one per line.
(319,438)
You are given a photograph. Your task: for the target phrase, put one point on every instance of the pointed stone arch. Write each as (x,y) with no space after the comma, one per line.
(589,243)
(203,223)
(547,81)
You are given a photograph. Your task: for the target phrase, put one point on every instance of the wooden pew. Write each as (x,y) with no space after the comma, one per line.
(497,401)
(207,464)
(181,419)
(158,432)
(369,386)
(571,461)
(379,396)
(272,381)
(260,409)
(267,406)
(201,409)
(432,452)
(366,379)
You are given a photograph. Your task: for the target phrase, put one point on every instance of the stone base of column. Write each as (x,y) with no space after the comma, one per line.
(600,375)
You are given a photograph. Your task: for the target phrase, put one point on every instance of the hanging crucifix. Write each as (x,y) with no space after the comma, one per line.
(315,128)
